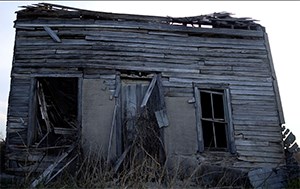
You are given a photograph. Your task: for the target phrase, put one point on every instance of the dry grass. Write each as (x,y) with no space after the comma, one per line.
(144,166)
(94,172)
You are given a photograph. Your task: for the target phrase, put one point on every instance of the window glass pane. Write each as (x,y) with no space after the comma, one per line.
(220,129)
(206,105)
(208,135)
(218,106)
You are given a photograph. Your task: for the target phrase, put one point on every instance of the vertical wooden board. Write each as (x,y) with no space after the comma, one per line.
(32,112)
(198,113)
(133,92)
(275,84)
(97,112)
(130,110)
(149,91)
(180,136)
(79,108)
(118,130)
(229,120)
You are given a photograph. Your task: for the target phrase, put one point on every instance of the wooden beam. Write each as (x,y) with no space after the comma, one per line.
(228,117)
(79,108)
(43,106)
(160,92)
(161,115)
(32,112)
(52,34)
(149,91)
(121,158)
(146,26)
(113,125)
(47,173)
(60,170)
(119,127)
(118,86)
(198,120)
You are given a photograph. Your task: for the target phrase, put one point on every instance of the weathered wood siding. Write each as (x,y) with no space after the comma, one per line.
(18,110)
(184,55)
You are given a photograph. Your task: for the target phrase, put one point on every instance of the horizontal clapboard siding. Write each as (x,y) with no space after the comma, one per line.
(18,109)
(185,56)
(138,26)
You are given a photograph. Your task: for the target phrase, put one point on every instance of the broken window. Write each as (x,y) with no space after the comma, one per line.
(214,126)
(56,107)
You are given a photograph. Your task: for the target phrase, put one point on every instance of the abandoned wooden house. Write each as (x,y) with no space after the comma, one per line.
(201,87)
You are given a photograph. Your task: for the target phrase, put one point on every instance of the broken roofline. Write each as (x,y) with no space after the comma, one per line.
(216,20)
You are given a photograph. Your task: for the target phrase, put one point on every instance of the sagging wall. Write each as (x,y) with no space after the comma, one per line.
(97,114)
(184,56)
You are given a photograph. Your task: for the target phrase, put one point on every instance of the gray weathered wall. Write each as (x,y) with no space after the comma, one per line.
(97,113)
(180,136)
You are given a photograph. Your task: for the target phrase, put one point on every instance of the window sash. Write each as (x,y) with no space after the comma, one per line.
(227,117)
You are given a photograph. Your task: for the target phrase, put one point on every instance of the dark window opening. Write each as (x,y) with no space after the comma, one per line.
(218,106)
(208,134)
(56,113)
(214,124)
(206,105)
(221,133)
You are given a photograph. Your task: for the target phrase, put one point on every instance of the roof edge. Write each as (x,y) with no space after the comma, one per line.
(215,20)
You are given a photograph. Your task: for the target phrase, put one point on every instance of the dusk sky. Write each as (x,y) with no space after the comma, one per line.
(280,18)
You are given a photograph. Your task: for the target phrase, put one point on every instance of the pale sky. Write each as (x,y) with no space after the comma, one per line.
(281,19)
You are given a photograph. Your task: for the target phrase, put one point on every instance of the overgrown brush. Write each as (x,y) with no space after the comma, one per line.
(93,171)
(144,165)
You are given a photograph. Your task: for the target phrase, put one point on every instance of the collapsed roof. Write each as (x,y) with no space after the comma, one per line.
(215,20)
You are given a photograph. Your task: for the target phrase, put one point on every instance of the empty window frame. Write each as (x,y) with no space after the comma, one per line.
(214,124)
(54,111)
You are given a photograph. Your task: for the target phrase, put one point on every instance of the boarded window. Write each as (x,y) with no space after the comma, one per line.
(214,124)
